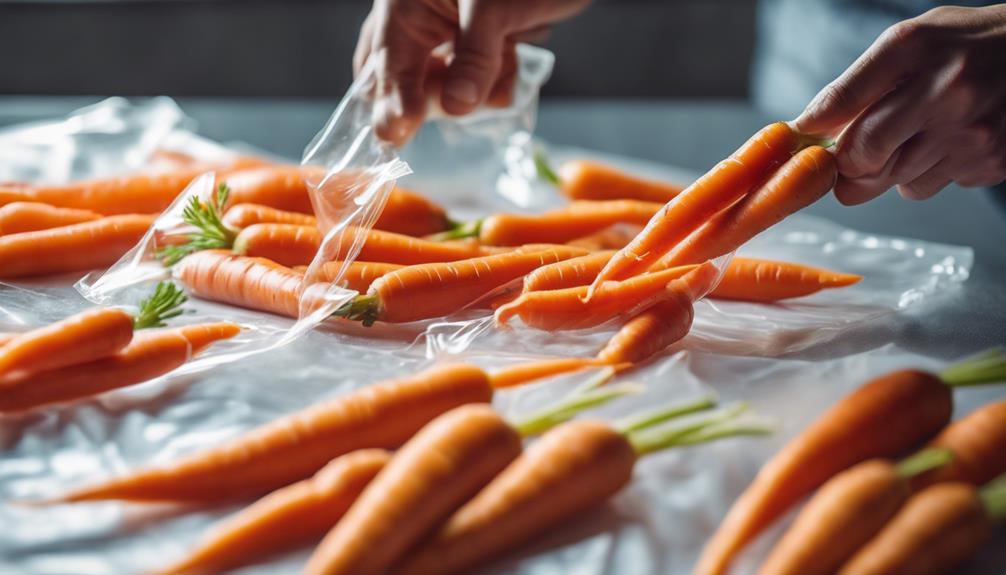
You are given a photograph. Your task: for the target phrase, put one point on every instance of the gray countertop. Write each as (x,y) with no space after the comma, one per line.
(691,135)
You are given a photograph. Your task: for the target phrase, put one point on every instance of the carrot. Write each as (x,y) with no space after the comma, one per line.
(526,372)
(727,182)
(571,469)
(412,214)
(754,280)
(591,180)
(569,273)
(800,182)
(383,415)
(433,474)
(437,289)
(557,226)
(135,194)
(567,308)
(149,355)
(5,338)
(254,283)
(77,247)
(297,245)
(978,442)
(243,215)
(846,513)
(936,531)
(611,238)
(20,217)
(887,416)
(359,275)
(286,517)
(660,325)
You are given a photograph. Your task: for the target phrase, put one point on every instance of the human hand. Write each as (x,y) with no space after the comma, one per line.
(403,34)
(924,106)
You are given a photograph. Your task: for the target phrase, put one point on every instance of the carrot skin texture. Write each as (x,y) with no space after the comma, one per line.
(563,225)
(288,517)
(767,281)
(444,465)
(412,214)
(359,275)
(528,372)
(841,517)
(86,336)
(78,247)
(20,217)
(589,180)
(149,355)
(240,216)
(978,442)
(571,469)
(569,273)
(935,531)
(384,416)
(801,181)
(254,283)
(135,194)
(887,416)
(727,182)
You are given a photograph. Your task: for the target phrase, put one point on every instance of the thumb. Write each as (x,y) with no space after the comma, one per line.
(478,55)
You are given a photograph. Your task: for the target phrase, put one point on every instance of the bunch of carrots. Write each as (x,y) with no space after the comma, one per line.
(99,350)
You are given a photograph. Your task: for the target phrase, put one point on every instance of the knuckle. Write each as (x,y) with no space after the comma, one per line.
(904,32)
(863,156)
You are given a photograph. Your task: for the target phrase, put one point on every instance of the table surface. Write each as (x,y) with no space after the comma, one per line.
(690,135)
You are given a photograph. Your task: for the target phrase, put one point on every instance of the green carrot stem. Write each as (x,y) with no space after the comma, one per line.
(459,232)
(715,432)
(544,169)
(987,367)
(633,423)
(603,376)
(653,439)
(164,304)
(923,461)
(211,232)
(567,407)
(993,496)
(363,308)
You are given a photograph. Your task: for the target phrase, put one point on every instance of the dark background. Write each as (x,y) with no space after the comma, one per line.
(302,48)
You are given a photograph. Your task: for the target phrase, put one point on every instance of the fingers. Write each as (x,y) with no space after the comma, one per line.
(363,45)
(931,182)
(869,78)
(501,94)
(478,54)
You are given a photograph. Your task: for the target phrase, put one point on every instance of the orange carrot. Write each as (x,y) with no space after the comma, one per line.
(800,182)
(845,514)
(567,308)
(287,517)
(19,217)
(297,245)
(754,280)
(936,531)
(149,355)
(591,180)
(611,238)
(86,336)
(254,283)
(662,324)
(437,289)
(563,225)
(135,194)
(727,182)
(527,372)
(978,442)
(887,416)
(241,216)
(412,214)
(5,338)
(567,273)
(383,415)
(359,275)
(432,475)
(77,247)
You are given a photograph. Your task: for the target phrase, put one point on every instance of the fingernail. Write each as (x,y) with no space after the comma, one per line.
(462,90)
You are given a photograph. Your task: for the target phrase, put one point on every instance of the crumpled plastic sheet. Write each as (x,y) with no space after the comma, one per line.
(656,525)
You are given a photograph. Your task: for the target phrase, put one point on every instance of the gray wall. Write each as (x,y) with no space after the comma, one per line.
(302,48)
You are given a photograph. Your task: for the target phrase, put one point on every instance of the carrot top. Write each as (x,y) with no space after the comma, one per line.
(211,232)
(923,461)
(986,367)
(544,169)
(459,231)
(164,304)
(993,497)
(718,424)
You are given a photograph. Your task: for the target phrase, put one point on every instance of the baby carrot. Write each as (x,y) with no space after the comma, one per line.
(254,283)
(285,244)
(412,214)
(77,247)
(888,415)
(567,308)
(286,517)
(20,217)
(591,180)
(86,336)
(359,275)
(612,238)
(135,194)
(241,216)
(727,182)
(432,475)
(437,289)
(149,355)
(936,531)
(569,273)
(978,442)
(383,415)
(528,372)
(801,181)
(845,514)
